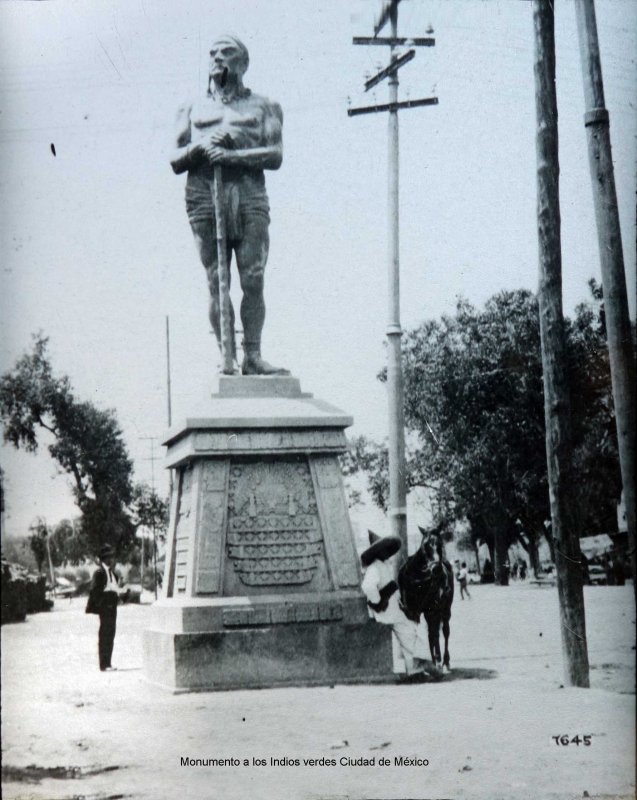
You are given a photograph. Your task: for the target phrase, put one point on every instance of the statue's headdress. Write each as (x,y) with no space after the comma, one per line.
(245,56)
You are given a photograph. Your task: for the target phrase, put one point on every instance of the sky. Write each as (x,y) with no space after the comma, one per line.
(95,246)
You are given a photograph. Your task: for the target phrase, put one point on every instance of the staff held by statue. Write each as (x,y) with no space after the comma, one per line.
(225,318)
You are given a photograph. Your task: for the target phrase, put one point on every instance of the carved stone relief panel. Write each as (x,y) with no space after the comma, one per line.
(274,531)
(184,530)
(335,520)
(211,528)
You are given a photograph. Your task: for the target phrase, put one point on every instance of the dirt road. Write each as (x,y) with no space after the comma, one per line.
(485,732)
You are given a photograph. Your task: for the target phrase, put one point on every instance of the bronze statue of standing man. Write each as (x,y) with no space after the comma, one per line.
(240,131)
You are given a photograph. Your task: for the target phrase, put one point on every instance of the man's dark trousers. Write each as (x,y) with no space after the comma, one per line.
(108,620)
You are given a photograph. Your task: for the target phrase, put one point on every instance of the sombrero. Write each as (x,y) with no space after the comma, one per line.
(381,548)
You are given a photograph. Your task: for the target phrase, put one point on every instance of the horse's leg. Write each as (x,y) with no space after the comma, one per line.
(446,630)
(433,629)
(437,641)
(430,637)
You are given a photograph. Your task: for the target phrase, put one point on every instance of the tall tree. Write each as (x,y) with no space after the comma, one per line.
(475,419)
(69,544)
(149,510)
(86,442)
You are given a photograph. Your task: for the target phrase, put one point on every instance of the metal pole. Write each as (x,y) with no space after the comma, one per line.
(554,357)
(620,347)
(225,322)
(397,485)
(170,415)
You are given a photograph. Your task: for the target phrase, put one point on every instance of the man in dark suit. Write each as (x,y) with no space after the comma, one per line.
(102,600)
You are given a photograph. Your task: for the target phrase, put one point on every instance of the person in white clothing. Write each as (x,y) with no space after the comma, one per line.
(462,577)
(381,590)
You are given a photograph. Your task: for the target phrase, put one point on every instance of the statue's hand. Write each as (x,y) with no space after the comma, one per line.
(222,139)
(216,154)
(196,151)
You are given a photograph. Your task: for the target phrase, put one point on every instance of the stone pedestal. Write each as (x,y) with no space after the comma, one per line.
(261,585)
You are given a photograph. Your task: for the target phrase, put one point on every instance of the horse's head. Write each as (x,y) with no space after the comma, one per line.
(431,545)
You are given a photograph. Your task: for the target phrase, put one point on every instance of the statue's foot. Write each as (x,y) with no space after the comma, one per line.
(234,370)
(255,365)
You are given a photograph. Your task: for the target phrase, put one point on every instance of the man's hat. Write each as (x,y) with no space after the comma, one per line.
(106,551)
(381,548)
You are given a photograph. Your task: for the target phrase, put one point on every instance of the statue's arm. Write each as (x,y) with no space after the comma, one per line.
(184,155)
(268,156)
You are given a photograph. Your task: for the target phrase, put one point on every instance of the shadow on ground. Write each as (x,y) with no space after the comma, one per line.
(35,774)
(456,674)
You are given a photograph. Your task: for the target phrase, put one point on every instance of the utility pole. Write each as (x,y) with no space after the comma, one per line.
(620,345)
(152,459)
(397,508)
(168,385)
(169,409)
(556,389)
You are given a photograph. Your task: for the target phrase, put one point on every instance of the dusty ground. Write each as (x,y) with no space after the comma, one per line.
(69,731)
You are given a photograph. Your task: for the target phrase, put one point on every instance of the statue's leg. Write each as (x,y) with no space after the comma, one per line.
(206,242)
(252,256)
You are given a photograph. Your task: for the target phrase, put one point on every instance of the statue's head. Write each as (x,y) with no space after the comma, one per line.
(229,59)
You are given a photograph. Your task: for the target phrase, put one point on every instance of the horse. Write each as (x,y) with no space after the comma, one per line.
(425,582)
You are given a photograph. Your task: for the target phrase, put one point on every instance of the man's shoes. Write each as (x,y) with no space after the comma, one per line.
(108,669)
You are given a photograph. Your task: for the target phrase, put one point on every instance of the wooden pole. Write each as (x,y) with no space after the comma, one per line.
(397,484)
(225,322)
(556,389)
(620,346)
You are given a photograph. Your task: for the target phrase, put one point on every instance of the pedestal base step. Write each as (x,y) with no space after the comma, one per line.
(279,655)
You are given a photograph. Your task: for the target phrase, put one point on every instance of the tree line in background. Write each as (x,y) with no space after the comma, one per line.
(87,444)
(474,414)
(475,431)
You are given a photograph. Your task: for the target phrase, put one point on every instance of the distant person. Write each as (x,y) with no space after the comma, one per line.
(514,570)
(462,576)
(609,569)
(619,570)
(102,600)
(522,569)
(381,590)
(488,575)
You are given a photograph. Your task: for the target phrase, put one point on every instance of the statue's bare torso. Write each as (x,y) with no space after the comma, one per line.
(251,122)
